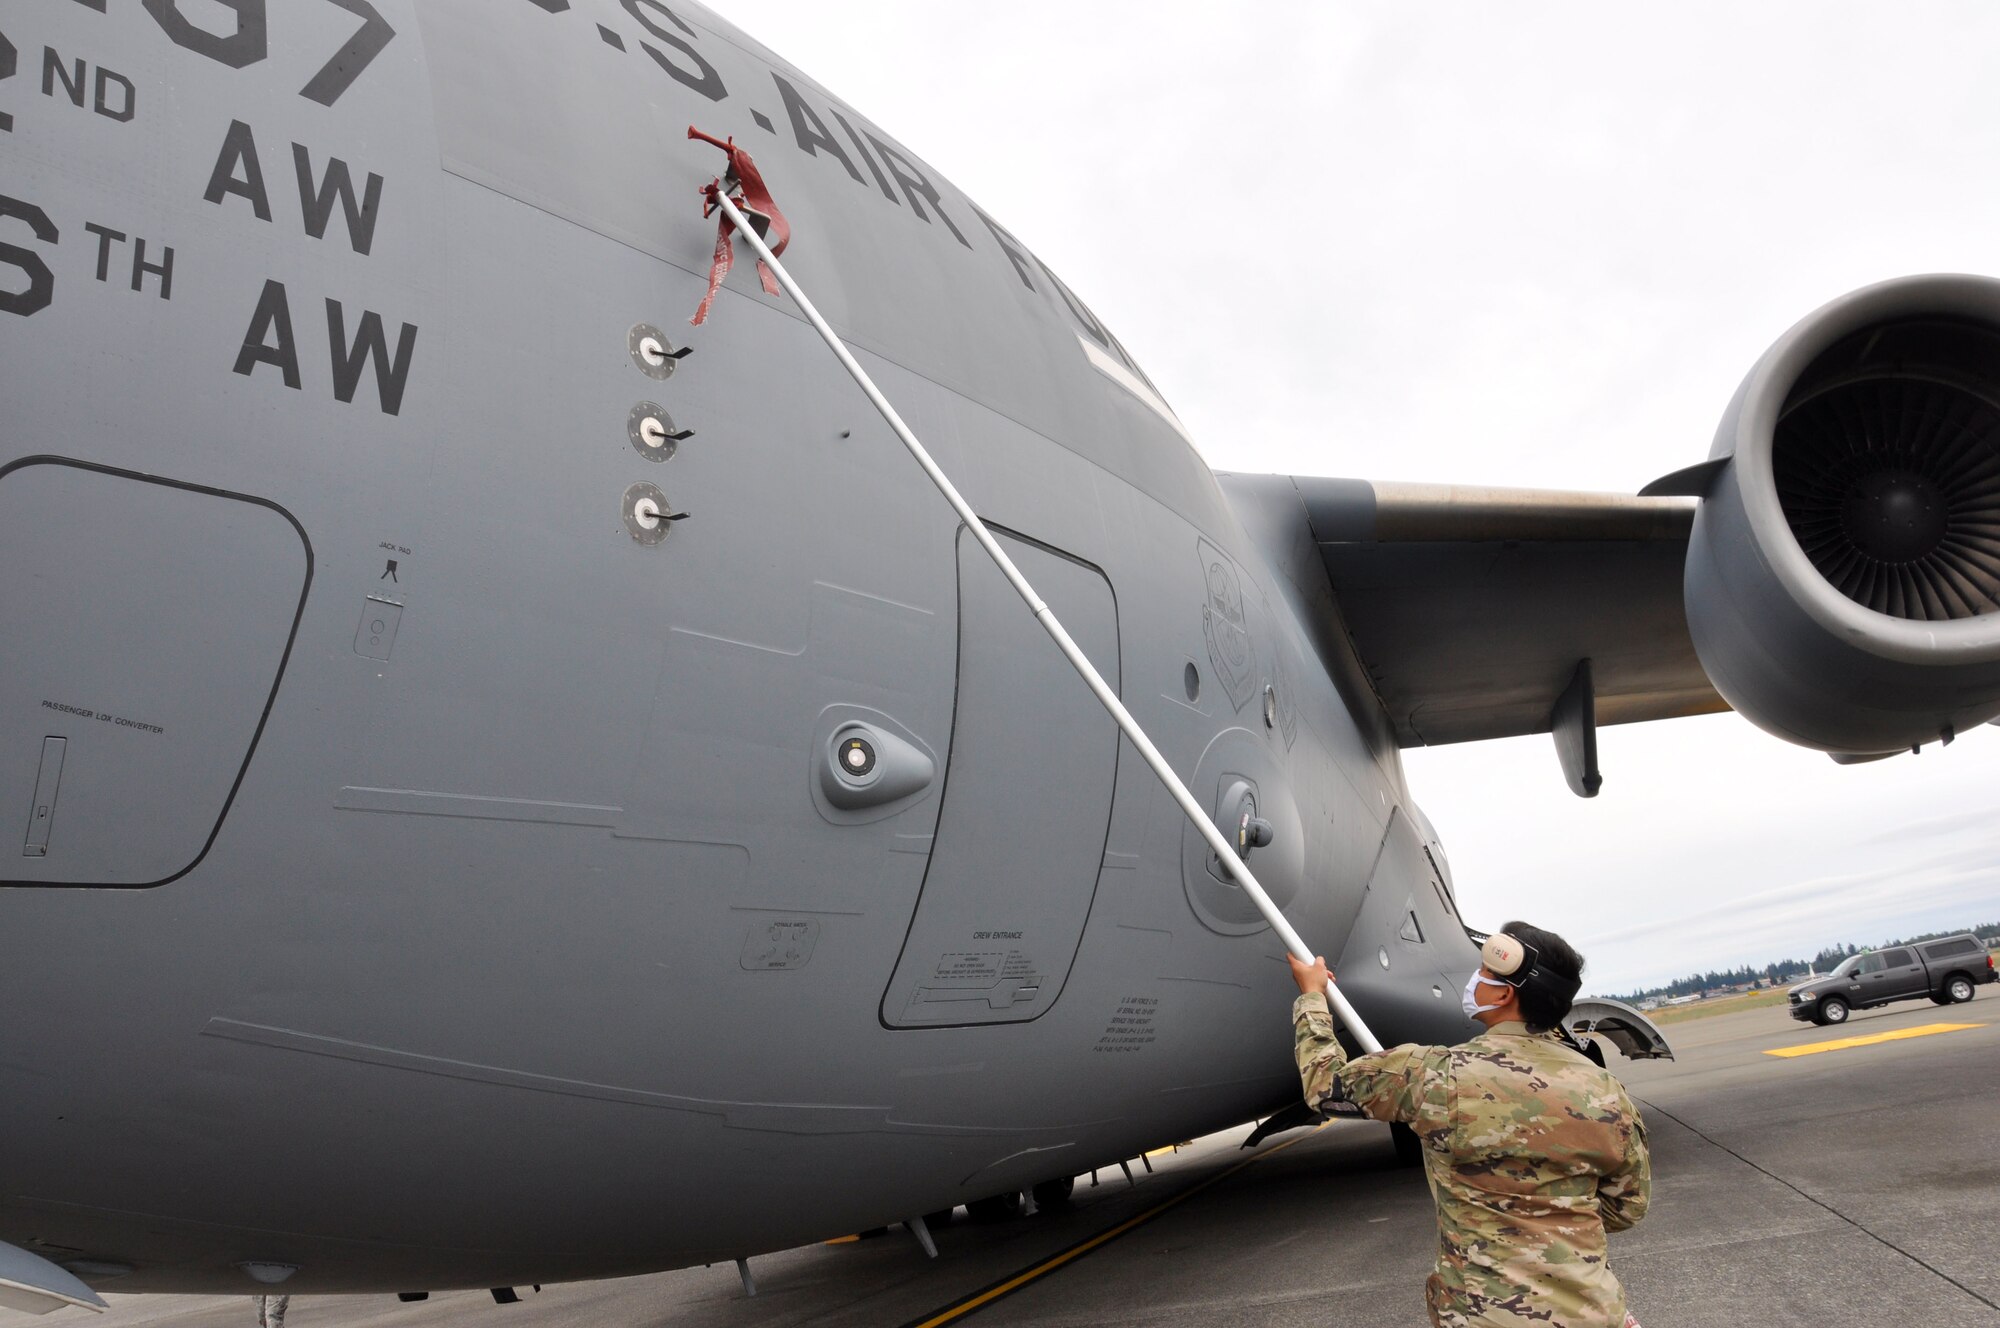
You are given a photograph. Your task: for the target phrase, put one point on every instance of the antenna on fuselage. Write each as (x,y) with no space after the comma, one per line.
(718,198)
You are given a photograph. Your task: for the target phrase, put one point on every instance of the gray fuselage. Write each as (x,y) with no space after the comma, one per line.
(439,885)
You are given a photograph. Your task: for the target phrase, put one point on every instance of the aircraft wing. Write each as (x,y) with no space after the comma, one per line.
(1473,608)
(1836,559)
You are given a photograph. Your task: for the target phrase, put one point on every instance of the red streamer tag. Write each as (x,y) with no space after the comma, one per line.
(747,190)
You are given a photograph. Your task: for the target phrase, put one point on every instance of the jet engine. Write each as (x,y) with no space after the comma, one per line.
(1843,574)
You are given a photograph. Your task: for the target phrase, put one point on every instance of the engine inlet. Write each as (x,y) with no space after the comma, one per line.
(1887,465)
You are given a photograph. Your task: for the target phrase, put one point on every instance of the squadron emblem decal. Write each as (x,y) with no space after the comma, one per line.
(1230,652)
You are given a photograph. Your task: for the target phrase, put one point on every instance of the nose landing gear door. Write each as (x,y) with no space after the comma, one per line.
(1027,800)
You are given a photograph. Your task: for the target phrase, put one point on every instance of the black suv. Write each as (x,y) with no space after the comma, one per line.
(1947,971)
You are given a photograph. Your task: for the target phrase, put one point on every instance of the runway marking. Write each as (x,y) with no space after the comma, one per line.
(1841,1044)
(1007,1286)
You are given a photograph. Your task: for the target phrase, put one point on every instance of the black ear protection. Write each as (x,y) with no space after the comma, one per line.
(1519,964)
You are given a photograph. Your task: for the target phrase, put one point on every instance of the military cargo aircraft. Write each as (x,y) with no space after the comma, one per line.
(511,787)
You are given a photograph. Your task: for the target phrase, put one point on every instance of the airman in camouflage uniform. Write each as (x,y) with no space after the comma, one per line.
(1533,1153)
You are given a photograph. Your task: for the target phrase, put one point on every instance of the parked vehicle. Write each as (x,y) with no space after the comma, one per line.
(1947,971)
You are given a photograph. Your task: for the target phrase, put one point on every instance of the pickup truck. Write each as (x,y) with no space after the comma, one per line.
(1946,970)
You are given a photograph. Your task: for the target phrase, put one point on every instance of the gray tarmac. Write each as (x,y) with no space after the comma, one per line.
(1840,1188)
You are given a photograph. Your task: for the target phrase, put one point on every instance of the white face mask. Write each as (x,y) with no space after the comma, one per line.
(1469,999)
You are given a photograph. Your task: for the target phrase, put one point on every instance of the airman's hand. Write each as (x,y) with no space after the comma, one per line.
(1310,977)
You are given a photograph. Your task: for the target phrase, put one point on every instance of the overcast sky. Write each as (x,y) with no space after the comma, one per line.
(1526,245)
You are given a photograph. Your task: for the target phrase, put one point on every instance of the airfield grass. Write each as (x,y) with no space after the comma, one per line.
(1745,1000)
(1725,1005)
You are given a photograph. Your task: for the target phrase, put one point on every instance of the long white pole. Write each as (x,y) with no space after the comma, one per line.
(1224,851)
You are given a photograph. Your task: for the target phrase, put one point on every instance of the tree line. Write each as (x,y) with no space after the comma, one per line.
(1781,970)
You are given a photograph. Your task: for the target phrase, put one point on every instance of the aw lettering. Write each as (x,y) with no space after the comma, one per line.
(239,172)
(272,343)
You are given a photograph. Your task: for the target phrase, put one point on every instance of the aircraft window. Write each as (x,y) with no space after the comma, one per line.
(1897,959)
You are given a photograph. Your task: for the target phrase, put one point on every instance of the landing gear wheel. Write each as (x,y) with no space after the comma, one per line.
(1833,1010)
(1959,990)
(997,1208)
(1054,1193)
(1409,1148)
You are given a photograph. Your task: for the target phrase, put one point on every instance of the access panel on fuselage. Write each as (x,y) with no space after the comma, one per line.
(146,625)
(1027,800)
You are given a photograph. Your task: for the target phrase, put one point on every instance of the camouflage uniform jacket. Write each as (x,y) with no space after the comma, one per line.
(1532,1153)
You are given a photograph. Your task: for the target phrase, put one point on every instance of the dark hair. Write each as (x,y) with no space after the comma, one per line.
(1558,973)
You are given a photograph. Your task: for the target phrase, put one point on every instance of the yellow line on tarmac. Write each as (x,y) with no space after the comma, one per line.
(1841,1044)
(1008,1286)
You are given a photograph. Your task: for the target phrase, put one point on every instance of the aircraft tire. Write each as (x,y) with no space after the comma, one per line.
(996,1208)
(1054,1193)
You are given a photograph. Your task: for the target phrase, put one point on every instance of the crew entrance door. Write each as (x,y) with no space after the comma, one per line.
(1027,799)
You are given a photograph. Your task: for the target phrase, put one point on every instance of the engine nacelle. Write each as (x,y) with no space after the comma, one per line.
(1843,575)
